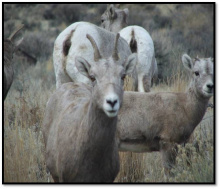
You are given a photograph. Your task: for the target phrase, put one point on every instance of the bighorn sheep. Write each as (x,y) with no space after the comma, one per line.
(72,42)
(9,48)
(156,121)
(139,40)
(80,121)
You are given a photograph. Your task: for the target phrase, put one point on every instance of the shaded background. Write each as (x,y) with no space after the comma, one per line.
(175,28)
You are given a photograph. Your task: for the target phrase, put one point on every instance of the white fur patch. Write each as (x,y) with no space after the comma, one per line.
(140,84)
(108,109)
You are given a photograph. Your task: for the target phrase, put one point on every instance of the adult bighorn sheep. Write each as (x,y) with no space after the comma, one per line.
(9,48)
(139,40)
(72,42)
(157,121)
(80,121)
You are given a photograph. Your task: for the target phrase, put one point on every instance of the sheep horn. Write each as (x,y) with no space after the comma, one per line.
(15,32)
(97,55)
(115,51)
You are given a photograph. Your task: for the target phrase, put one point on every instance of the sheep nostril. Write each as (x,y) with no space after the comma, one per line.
(210,86)
(112,103)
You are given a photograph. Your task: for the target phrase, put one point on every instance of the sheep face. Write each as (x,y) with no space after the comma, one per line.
(114,19)
(107,77)
(202,75)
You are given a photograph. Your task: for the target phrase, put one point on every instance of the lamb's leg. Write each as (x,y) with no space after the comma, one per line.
(168,153)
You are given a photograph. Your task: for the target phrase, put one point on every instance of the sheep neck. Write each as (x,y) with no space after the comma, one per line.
(101,128)
(195,106)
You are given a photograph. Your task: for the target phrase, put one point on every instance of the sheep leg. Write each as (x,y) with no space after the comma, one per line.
(145,83)
(155,75)
(168,153)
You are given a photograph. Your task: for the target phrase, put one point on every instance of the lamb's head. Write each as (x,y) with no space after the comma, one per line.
(10,44)
(202,75)
(114,19)
(106,75)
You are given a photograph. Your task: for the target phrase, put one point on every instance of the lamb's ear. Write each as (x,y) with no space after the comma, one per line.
(130,63)
(187,62)
(83,66)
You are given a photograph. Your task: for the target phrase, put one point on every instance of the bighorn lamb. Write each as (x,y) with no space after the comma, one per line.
(156,121)
(80,121)
(139,40)
(9,48)
(72,42)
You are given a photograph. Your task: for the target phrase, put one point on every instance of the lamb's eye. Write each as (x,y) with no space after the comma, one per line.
(92,77)
(197,73)
(123,77)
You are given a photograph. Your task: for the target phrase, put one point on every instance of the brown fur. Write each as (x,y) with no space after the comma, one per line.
(80,123)
(79,137)
(158,121)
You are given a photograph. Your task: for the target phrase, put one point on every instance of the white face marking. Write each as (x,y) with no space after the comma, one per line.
(204,81)
(206,90)
(111,105)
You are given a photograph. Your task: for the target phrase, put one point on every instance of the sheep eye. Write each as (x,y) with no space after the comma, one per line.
(92,77)
(197,73)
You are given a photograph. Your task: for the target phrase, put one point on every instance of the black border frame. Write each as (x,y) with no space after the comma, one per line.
(214,96)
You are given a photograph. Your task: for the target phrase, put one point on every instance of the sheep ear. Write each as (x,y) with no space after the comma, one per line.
(187,62)
(83,66)
(112,11)
(130,63)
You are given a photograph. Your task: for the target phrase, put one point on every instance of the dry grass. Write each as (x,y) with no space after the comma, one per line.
(24,148)
(23,115)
